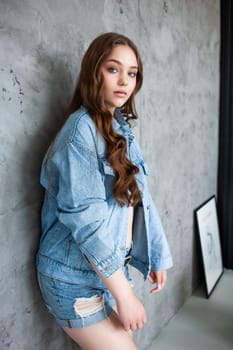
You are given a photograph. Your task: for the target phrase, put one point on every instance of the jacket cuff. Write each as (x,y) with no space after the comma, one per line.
(106,262)
(161,264)
(110,265)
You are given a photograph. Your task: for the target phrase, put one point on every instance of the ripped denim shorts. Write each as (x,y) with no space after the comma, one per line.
(78,305)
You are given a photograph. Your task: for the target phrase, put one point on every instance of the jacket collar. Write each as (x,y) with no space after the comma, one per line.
(119,122)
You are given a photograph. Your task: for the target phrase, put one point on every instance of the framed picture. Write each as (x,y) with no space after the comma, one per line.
(208,229)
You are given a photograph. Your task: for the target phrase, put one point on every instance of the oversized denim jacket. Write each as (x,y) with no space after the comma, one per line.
(81,220)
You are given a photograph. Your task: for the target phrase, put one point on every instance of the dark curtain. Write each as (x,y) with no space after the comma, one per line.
(225,164)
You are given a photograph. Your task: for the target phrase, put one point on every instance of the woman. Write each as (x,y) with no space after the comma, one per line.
(98,215)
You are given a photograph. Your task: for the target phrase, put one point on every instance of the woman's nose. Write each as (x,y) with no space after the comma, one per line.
(123,80)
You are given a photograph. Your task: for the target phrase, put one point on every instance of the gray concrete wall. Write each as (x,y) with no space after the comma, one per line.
(40,50)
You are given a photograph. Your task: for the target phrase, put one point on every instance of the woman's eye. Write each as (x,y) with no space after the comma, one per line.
(132,74)
(112,70)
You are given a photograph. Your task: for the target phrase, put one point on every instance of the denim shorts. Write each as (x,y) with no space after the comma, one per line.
(78,305)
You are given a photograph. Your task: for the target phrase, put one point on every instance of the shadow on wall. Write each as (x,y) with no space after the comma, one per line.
(58,93)
(57,86)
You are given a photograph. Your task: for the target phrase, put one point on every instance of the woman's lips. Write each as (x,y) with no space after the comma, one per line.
(120,93)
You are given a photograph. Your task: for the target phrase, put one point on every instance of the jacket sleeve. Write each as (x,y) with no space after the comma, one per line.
(160,253)
(82,205)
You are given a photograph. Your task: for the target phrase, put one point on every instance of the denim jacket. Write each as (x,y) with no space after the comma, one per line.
(81,220)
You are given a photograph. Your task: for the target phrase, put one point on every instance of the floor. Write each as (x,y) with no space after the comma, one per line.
(202,323)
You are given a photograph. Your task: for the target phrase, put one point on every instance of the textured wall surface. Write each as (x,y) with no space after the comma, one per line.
(41,45)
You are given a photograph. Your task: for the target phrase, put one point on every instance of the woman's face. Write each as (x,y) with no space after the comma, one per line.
(119,72)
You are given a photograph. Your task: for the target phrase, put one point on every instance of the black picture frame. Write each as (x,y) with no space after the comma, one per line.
(209,238)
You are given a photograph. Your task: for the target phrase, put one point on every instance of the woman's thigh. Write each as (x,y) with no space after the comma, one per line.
(105,335)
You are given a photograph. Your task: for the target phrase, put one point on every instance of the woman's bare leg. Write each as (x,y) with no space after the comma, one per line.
(105,335)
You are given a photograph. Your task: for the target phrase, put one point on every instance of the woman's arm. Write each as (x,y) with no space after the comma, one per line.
(83,208)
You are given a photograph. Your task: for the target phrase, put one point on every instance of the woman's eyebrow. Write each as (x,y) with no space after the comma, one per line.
(118,62)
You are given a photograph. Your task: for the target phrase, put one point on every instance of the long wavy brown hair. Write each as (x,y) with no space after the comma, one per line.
(88,92)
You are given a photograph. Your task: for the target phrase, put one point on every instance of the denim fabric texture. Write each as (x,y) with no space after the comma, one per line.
(60,298)
(81,220)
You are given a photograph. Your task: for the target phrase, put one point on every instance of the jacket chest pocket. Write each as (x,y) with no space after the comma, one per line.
(106,168)
(136,158)
(109,177)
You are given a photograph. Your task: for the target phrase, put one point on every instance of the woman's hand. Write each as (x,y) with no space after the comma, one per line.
(159,278)
(131,312)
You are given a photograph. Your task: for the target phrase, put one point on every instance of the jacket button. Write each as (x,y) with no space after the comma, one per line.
(148,207)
